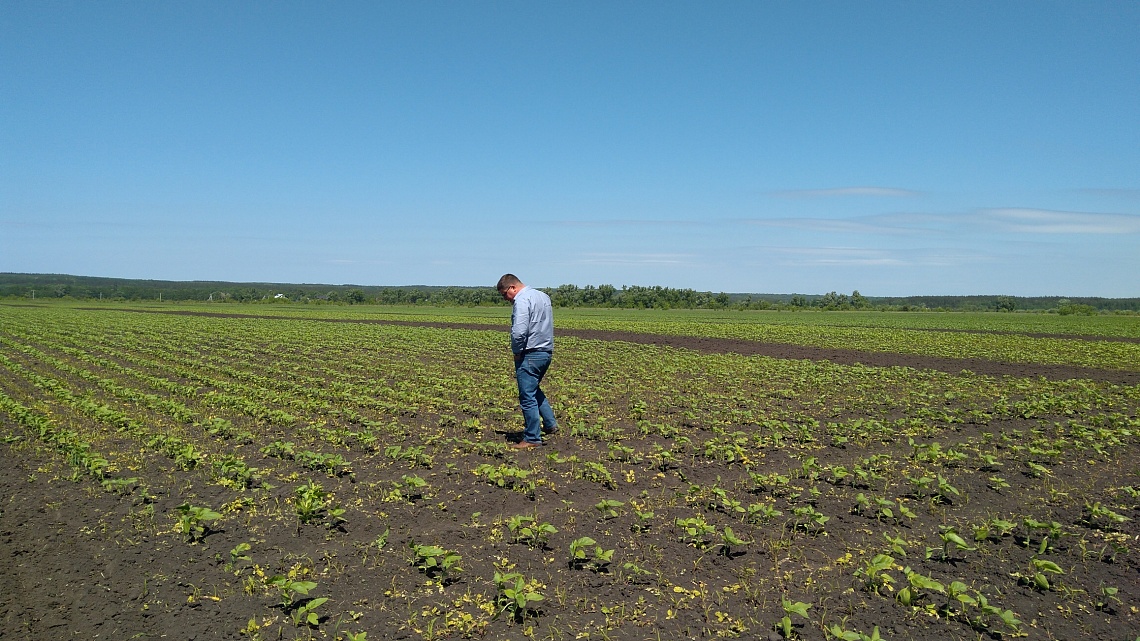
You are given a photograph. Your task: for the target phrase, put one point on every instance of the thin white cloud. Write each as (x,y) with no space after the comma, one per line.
(1127,194)
(636,259)
(1005,220)
(856,225)
(625,223)
(897,224)
(1044,221)
(878,192)
(835,256)
(865,257)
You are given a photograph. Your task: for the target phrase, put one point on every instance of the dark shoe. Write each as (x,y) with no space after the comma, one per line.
(552,430)
(525,445)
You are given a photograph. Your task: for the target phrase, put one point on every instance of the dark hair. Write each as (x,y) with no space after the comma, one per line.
(506,281)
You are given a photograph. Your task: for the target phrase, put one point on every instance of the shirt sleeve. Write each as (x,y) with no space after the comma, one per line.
(520,326)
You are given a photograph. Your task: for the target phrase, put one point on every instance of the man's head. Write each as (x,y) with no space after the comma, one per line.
(509,285)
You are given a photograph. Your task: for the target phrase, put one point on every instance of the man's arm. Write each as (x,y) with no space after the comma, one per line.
(520,329)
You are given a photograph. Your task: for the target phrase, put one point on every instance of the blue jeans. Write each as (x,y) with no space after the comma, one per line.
(528,374)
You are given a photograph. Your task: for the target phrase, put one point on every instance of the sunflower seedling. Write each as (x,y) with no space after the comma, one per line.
(1097,516)
(642,522)
(1040,569)
(729,541)
(695,531)
(516,594)
(309,502)
(784,625)
(290,589)
(919,585)
(842,634)
(609,508)
(1106,597)
(306,614)
(435,561)
(951,539)
(875,572)
(238,553)
(527,530)
(194,521)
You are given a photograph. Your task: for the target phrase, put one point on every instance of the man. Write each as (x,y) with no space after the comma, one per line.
(532,342)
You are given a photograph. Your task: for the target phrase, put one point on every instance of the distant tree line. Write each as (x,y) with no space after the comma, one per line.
(55,286)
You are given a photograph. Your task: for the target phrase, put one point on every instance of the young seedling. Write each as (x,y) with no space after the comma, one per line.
(1053,531)
(238,553)
(762,513)
(989,463)
(838,474)
(919,585)
(309,502)
(1101,517)
(809,519)
(578,555)
(665,457)
(335,518)
(609,508)
(122,487)
(413,487)
(945,490)
(527,530)
(516,594)
(729,541)
(1007,616)
(435,562)
(1002,527)
(634,573)
(602,559)
(596,472)
(194,521)
(921,484)
(289,589)
(695,531)
(897,544)
(1105,597)
(957,592)
(1039,569)
(578,549)
(306,613)
(641,524)
(382,541)
(843,634)
(785,624)
(875,573)
(951,539)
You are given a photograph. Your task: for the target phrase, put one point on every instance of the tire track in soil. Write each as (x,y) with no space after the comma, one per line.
(773,350)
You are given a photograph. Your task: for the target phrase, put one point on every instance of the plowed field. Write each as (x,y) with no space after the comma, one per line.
(244,476)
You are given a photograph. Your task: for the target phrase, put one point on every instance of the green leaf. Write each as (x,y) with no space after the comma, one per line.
(302,587)
(799,607)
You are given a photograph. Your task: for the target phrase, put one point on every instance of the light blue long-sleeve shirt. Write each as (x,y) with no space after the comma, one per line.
(532,321)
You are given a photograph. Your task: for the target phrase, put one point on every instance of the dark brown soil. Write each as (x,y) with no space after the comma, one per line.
(79,562)
(66,575)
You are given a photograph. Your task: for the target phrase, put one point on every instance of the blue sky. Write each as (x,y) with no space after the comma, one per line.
(773,147)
